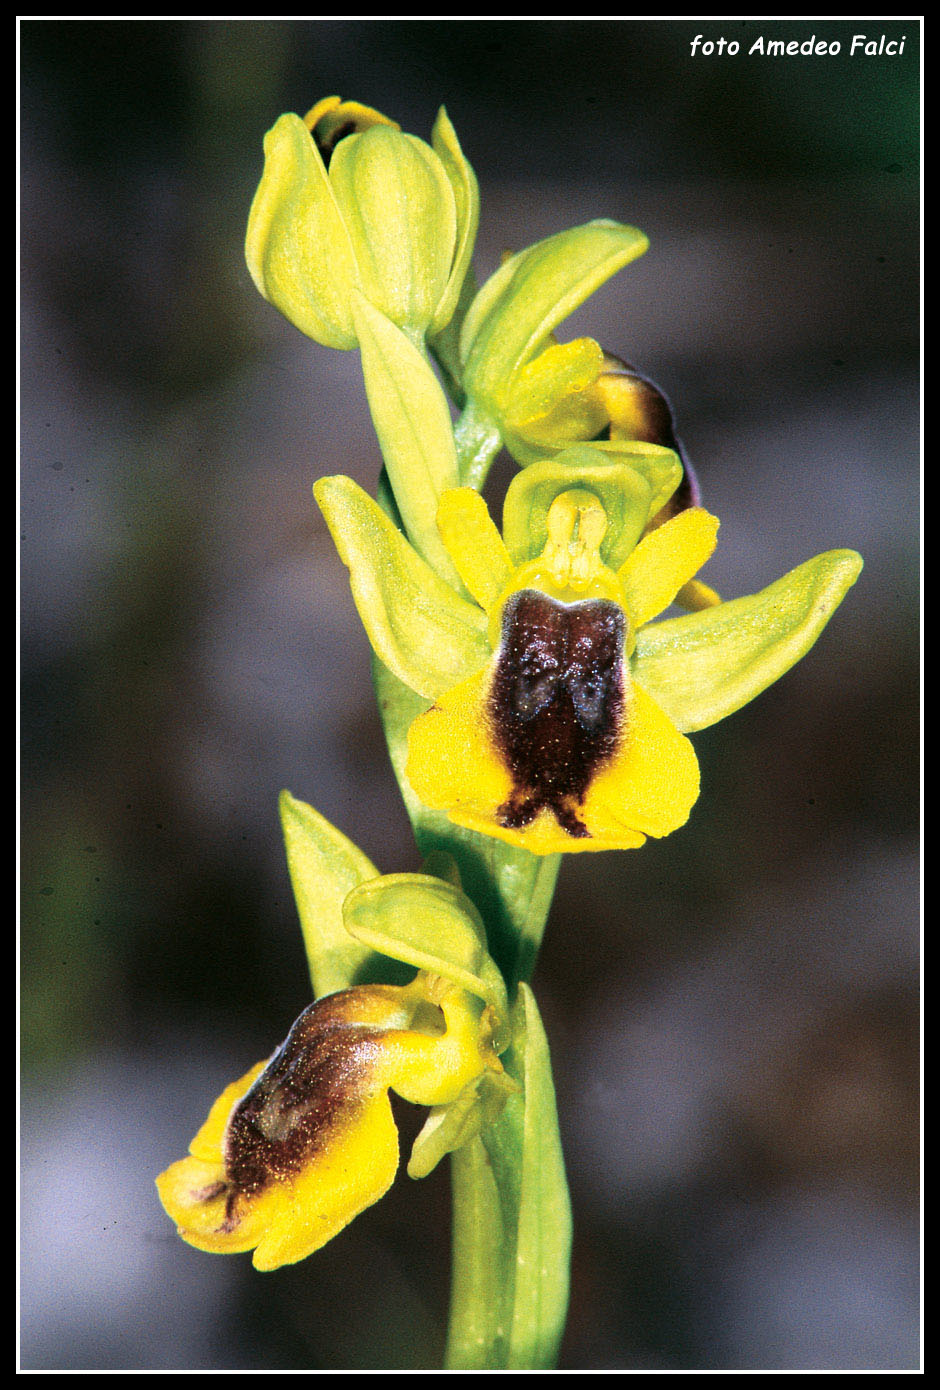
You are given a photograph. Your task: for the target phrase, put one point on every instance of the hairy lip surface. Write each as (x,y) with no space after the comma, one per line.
(312,1082)
(556,703)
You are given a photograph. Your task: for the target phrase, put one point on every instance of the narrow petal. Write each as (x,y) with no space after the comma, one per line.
(705,665)
(474,544)
(665,560)
(696,595)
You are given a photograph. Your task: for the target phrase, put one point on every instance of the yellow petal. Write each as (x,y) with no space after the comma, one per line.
(283,1167)
(647,787)
(474,544)
(208,1141)
(695,596)
(665,560)
(348,1175)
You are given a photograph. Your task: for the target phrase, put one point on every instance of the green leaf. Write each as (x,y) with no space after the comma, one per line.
(422,630)
(532,294)
(324,866)
(429,924)
(622,491)
(543,1241)
(512,1221)
(705,665)
(413,424)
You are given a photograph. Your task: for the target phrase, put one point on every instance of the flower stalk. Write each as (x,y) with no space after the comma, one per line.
(535,700)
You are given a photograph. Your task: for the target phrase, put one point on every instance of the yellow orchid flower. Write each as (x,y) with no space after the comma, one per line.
(302,1143)
(559,709)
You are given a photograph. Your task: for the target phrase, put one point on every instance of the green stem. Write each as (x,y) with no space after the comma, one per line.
(512,1222)
(511,1214)
(511,1217)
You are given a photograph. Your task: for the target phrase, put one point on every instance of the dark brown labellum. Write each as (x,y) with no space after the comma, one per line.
(556,703)
(313,1082)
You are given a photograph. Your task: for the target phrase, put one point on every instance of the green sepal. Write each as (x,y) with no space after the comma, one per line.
(297,245)
(512,1221)
(449,1127)
(432,925)
(399,209)
(531,294)
(466,192)
(422,630)
(412,421)
(324,867)
(623,492)
(661,467)
(703,666)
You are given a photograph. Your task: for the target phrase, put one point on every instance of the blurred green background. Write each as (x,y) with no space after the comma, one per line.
(734,1011)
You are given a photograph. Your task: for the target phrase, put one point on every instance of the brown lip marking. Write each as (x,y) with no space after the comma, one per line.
(556,703)
(328,145)
(313,1083)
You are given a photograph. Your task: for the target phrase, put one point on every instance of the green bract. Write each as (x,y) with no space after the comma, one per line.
(514,375)
(392,218)
(324,866)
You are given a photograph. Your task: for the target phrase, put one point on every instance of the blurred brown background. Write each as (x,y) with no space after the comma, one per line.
(733,1011)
